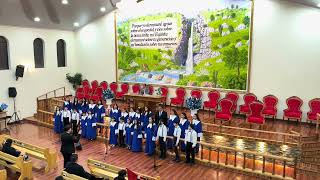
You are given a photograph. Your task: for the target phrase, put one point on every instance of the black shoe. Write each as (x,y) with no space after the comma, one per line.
(187,162)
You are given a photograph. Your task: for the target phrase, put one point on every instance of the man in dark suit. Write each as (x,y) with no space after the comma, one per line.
(67,144)
(73,167)
(161,114)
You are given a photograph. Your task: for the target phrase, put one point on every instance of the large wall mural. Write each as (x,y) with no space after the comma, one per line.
(202,43)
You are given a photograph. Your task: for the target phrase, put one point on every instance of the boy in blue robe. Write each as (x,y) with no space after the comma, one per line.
(58,122)
(129,129)
(136,137)
(115,113)
(172,118)
(198,128)
(91,133)
(184,124)
(151,134)
(145,118)
(83,123)
(113,137)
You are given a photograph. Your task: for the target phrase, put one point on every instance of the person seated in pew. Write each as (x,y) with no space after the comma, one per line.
(8,149)
(121,175)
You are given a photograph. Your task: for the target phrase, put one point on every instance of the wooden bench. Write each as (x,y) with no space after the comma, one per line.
(67,176)
(103,170)
(44,154)
(3,174)
(17,164)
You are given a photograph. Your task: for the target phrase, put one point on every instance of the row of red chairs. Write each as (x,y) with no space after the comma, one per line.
(269,104)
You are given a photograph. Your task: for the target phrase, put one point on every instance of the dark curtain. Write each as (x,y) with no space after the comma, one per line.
(61,53)
(38,51)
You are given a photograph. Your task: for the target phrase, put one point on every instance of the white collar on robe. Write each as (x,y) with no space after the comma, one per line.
(92,106)
(84,117)
(195,121)
(66,102)
(90,116)
(58,112)
(149,125)
(128,125)
(114,110)
(125,114)
(183,121)
(113,123)
(172,117)
(131,114)
(100,106)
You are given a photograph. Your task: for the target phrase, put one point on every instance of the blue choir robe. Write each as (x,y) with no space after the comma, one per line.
(115,113)
(132,115)
(184,124)
(125,116)
(128,138)
(93,108)
(138,117)
(91,131)
(67,104)
(83,123)
(145,120)
(58,122)
(83,108)
(101,113)
(198,128)
(151,134)
(113,137)
(136,139)
(172,119)
(76,105)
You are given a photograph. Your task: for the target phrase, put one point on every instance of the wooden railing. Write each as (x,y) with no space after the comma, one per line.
(292,138)
(53,94)
(48,101)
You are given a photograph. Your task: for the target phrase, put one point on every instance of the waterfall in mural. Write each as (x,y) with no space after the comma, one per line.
(189,62)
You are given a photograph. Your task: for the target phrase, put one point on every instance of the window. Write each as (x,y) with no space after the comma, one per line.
(38,51)
(61,53)
(4,58)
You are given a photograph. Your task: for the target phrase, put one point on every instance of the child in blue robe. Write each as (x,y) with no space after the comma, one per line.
(198,128)
(58,122)
(83,106)
(83,123)
(184,124)
(76,105)
(172,118)
(150,135)
(91,131)
(115,113)
(136,137)
(132,113)
(67,103)
(145,118)
(138,116)
(124,115)
(92,107)
(129,129)
(113,137)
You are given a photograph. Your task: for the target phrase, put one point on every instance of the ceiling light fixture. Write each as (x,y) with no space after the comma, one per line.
(36,19)
(65,2)
(318,4)
(76,24)
(103,9)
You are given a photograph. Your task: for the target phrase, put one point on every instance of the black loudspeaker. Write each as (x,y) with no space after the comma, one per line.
(12,92)
(19,71)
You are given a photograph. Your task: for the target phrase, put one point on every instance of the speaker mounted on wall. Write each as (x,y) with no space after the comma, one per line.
(19,71)
(12,92)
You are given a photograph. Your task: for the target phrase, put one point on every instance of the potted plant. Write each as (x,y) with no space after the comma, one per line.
(75,80)
(194,104)
(3,107)
(108,96)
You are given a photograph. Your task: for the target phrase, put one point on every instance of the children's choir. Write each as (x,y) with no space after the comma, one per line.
(130,129)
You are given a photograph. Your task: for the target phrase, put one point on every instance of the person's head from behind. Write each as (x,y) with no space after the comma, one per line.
(8,142)
(67,128)
(122,173)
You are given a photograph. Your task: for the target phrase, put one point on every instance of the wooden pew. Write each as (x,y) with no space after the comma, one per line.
(3,174)
(18,164)
(103,170)
(34,151)
(67,176)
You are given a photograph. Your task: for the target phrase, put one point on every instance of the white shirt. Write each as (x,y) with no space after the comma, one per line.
(162,132)
(196,122)
(75,116)
(191,136)
(66,114)
(177,134)
(122,126)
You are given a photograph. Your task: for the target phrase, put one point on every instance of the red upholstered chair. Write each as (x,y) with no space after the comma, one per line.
(314,105)
(97,95)
(114,87)
(255,116)
(151,89)
(247,98)
(224,113)
(136,88)
(270,106)
(85,83)
(104,85)
(79,93)
(124,90)
(196,93)
(87,92)
(212,103)
(233,96)
(94,85)
(164,94)
(179,99)
(293,111)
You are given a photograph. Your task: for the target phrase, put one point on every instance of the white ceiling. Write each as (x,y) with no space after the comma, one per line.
(52,13)
(55,15)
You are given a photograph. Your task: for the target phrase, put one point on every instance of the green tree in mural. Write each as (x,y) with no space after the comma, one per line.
(212,18)
(220,29)
(233,15)
(169,52)
(231,28)
(235,58)
(246,21)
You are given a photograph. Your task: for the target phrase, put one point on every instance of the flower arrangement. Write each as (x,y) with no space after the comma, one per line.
(159,92)
(108,94)
(194,103)
(3,107)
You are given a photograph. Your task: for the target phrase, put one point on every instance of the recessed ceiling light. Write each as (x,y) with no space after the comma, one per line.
(36,19)
(103,9)
(76,24)
(318,4)
(65,2)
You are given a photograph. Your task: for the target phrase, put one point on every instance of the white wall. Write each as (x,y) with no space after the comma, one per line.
(285,53)
(35,81)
